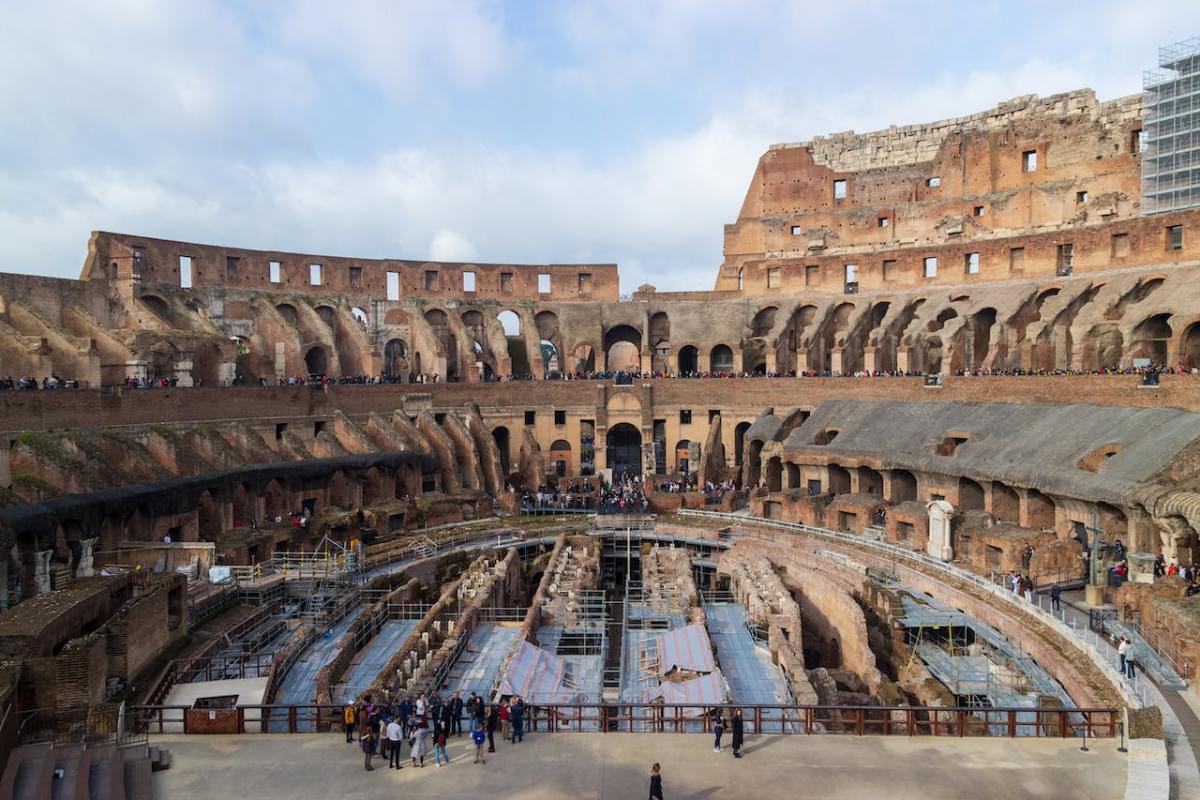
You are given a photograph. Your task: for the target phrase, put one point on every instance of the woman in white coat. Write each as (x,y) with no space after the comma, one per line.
(420,744)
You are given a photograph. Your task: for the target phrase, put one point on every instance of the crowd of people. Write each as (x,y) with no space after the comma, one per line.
(624,496)
(425,723)
(714,491)
(30,383)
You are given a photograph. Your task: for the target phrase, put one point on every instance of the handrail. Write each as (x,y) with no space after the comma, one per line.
(798,719)
(980,582)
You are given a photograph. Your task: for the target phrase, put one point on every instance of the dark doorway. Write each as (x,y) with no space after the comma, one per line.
(624,450)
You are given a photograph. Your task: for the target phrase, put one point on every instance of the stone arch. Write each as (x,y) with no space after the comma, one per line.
(904,486)
(439,322)
(551,341)
(360,316)
(682,456)
(624,449)
(1189,350)
(157,305)
(1151,338)
(774,474)
(328,315)
(1041,511)
(395,361)
(720,359)
(210,519)
(206,364)
(870,481)
(374,487)
(970,495)
(274,500)
(1006,503)
(1104,347)
(982,324)
(689,360)
(518,354)
(793,475)
(739,442)
(561,457)
(839,479)
(622,348)
(764,321)
(341,493)
(500,436)
(289,313)
(243,505)
(316,360)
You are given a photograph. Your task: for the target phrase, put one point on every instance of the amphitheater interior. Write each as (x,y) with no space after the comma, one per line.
(246,488)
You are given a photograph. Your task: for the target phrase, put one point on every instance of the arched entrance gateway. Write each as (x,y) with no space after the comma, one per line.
(624,450)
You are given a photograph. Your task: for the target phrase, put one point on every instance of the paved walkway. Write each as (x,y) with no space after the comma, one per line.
(615,766)
(1181,722)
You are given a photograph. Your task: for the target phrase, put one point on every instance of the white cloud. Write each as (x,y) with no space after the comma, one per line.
(450,246)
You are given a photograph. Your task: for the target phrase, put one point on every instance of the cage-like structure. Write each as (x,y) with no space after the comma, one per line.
(1171,130)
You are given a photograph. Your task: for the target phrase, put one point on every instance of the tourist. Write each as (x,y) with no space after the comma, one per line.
(718,729)
(517,713)
(493,720)
(420,742)
(1122,652)
(439,744)
(1130,659)
(505,721)
(348,719)
(1056,598)
(656,792)
(738,732)
(479,737)
(395,735)
(456,710)
(366,740)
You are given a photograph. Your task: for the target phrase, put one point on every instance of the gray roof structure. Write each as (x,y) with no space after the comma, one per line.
(1029,445)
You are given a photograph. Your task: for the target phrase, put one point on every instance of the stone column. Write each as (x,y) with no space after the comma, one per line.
(870,358)
(41,571)
(86,566)
(939,545)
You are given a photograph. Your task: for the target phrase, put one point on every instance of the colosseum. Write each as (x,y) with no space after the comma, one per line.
(920,461)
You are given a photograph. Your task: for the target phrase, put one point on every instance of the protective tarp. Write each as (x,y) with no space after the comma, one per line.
(707,690)
(536,675)
(685,648)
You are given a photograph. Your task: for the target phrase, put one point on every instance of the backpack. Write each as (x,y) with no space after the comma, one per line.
(478,737)
(348,715)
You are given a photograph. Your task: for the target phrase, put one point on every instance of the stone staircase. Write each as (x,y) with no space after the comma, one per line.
(79,771)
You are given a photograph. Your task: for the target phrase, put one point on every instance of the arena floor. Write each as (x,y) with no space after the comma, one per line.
(615,766)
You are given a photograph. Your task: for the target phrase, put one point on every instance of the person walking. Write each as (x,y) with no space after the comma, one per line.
(439,744)
(366,740)
(348,719)
(1055,598)
(493,720)
(395,735)
(1130,661)
(479,737)
(505,720)
(656,790)
(718,729)
(1122,650)
(738,729)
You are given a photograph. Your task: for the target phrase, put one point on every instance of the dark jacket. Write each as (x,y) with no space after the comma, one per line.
(737,726)
(656,787)
(493,720)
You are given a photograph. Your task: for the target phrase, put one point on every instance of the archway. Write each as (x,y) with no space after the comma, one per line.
(739,442)
(1151,337)
(1041,513)
(682,451)
(551,365)
(970,495)
(721,359)
(243,506)
(510,321)
(394,361)
(839,479)
(870,481)
(1006,504)
(689,360)
(560,457)
(500,437)
(1191,346)
(904,486)
(209,517)
(316,360)
(623,349)
(660,342)
(274,501)
(624,450)
(774,474)
(328,316)
(585,358)
(288,312)
(440,323)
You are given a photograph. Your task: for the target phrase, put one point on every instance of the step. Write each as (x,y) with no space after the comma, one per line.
(138,783)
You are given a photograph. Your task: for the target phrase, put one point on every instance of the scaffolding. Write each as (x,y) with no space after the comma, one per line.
(1171,129)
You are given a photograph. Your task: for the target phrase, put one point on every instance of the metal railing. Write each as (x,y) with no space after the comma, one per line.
(663,718)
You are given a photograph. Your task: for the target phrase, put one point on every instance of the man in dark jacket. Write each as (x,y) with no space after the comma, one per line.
(456,711)
(493,722)
(737,728)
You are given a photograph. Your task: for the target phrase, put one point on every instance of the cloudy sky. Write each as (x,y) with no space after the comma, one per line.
(527,131)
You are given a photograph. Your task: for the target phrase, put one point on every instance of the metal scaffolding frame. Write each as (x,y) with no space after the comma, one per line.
(1171,129)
